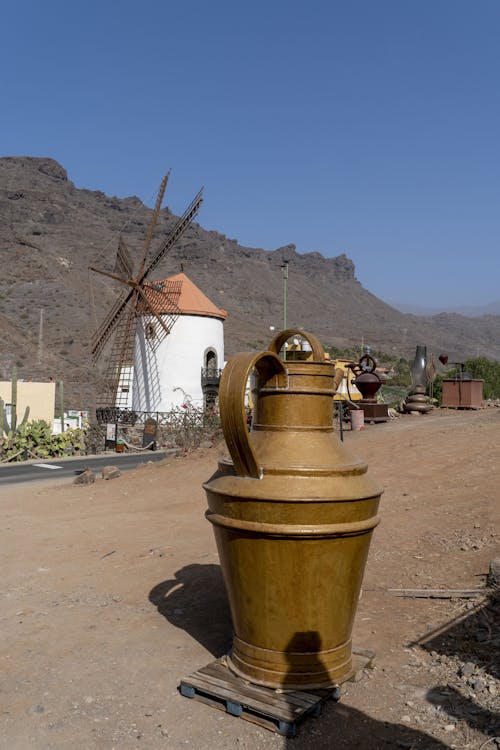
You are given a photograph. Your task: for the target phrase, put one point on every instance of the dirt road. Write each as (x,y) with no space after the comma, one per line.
(111,593)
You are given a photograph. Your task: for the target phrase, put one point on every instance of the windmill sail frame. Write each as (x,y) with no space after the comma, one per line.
(145,303)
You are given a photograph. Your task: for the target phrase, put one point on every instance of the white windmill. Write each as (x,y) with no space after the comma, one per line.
(147,362)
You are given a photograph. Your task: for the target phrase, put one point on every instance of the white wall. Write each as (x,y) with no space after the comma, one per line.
(162,379)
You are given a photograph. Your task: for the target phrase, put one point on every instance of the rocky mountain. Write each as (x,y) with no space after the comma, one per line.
(51,232)
(470,311)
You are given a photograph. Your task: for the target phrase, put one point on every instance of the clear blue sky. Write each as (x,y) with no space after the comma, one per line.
(369,127)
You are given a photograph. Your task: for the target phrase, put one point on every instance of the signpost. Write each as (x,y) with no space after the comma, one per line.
(111,430)
(149,434)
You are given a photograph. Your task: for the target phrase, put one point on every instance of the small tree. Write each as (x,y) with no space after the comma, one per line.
(488,370)
(402,374)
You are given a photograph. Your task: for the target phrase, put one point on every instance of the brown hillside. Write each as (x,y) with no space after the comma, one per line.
(51,232)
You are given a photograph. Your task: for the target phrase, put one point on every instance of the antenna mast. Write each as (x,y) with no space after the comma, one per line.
(40,338)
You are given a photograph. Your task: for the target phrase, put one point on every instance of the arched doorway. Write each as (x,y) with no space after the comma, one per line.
(210,360)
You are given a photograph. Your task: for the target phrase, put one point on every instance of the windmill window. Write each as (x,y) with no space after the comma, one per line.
(150,331)
(211,360)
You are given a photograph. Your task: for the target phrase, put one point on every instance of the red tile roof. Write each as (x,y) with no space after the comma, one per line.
(178,294)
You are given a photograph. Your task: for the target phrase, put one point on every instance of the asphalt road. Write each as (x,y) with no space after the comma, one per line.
(69,468)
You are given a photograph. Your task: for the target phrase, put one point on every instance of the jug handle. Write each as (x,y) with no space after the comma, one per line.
(317,349)
(232,404)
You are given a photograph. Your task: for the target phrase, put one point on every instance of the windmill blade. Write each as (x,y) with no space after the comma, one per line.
(119,370)
(142,300)
(101,336)
(123,263)
(124,267)
(154,221)
(148,309)
(164,295)
(107,326)
(114,276)
(160,303)
(176,233)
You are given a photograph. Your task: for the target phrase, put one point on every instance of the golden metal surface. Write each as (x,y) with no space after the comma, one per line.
(293,513)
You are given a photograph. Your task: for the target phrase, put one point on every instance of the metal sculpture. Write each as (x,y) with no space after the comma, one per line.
(417,401)
(368,383)
(293,514)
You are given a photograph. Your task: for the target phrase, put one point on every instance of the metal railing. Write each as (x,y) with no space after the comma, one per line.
(185,415)
(210,376)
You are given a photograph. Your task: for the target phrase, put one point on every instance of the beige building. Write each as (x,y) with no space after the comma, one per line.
(40,397)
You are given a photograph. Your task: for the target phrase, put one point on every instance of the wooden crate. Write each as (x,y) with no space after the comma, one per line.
(278,710)
(462,394)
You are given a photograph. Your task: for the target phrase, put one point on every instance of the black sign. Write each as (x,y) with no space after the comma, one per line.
(150,432)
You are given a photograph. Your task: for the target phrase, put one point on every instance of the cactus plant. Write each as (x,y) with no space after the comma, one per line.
(7,429)
(13,401)
(9,433)
(4,423)
(36,439)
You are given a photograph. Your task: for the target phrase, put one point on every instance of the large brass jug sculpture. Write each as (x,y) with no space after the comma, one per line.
(293,514)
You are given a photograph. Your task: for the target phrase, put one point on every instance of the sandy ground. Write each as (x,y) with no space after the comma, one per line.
(111,593)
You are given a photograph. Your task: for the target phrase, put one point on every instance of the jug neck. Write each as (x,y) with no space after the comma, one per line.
(306,402)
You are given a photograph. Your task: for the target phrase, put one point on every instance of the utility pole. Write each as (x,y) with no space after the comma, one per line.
(284,268)
(40,338)
(61,403)
(285,279)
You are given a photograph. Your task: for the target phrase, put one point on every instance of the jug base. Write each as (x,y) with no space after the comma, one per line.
(291,679)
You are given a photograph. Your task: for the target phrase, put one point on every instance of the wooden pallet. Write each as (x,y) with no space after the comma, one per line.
(279,711)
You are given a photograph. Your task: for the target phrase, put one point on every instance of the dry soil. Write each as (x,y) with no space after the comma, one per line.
(112,593)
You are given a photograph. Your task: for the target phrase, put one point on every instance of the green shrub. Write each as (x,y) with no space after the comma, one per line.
(487,370)
(35,440)
(392,395)
(437,387)
(402,373)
